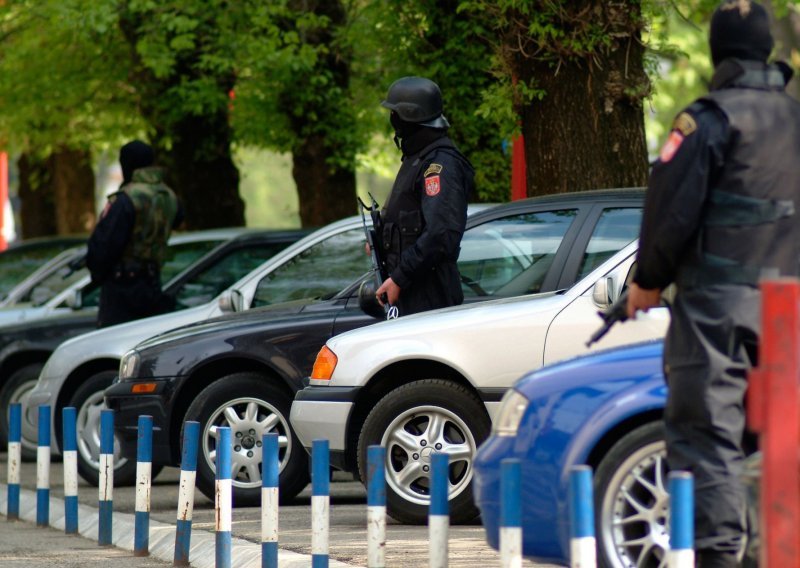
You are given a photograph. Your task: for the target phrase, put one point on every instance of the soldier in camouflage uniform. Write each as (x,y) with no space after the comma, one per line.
(128,245)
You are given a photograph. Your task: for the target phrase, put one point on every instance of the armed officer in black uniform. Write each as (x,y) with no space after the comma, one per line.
(721,214)
(129,242)
(426,213)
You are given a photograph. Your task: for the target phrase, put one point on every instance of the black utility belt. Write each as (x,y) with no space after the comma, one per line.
(131,269)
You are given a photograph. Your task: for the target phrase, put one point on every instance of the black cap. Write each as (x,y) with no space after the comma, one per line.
(740,29)
(134,155)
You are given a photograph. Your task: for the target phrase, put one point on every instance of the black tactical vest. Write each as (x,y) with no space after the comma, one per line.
(156,207)
(750,229)
(402,216)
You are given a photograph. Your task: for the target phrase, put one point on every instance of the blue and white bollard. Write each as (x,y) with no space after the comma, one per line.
(106,485)
(681,520)
(183,528)
(439,514)
(144,470)
(70,434)
(581,514)
(270,480)
(510,514)
(43,469)
(320,502)
(224,498)
(376,507)
(14,459)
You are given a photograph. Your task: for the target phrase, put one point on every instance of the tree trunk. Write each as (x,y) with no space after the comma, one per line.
(36,198)
(326,193)
(203,175)
(73,185)
(587,132)
(323,168)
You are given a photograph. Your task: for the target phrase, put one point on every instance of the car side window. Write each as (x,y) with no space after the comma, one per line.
(615,229)
(180,256)
(221,275)
(320,271)
(511,256)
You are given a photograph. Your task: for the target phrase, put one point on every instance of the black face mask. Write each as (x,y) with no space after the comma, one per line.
(402,129)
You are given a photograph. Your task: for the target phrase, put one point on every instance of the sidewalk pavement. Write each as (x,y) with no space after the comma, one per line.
(244,554)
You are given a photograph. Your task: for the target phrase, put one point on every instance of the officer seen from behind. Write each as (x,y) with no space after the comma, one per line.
(721,214)
(426,212)
(129,243)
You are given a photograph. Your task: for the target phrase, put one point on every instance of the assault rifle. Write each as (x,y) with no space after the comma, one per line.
(616,312)
(375,243)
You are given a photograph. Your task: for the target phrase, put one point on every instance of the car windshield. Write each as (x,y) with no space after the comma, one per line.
(512,255)
(19,262)
(319,271)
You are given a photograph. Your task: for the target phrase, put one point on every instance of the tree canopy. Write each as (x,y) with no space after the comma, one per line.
(199,77)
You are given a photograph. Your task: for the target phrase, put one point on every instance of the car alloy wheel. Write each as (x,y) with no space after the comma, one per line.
(264,409)
(413,438)
(89,404)
(631,485)
(414,422)
(17,389)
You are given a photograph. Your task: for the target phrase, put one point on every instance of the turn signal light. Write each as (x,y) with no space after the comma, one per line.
(143,388)
(324,365)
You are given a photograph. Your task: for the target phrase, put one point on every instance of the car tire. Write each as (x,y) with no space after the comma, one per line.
(88,402)
(16,389)
(634,468)
(256,407)
(456,422)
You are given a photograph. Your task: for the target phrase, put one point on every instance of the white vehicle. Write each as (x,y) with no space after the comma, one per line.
(432,382)
(80,369)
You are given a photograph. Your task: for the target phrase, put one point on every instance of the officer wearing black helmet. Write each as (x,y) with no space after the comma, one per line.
(128,245)
(721,214)
(425,215)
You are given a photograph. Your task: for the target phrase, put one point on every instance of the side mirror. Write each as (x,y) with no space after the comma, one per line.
(231,301)
(603,292)
(74,300)
(368,302)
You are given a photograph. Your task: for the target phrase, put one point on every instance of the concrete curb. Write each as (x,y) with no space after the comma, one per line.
(244,554)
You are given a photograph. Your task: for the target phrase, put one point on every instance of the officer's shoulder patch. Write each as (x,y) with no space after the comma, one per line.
(685,124)
(433,169)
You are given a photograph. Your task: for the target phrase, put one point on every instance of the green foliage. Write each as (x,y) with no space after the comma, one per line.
(436,40)
(62,79)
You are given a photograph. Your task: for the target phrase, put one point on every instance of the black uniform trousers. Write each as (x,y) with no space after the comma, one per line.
(709,347)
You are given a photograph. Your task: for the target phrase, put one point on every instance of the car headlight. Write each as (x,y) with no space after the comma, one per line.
(129,366)
(512,409)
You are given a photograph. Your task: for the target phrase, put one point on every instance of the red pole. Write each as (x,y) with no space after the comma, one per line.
(774,412)
(3,195)
(519,184)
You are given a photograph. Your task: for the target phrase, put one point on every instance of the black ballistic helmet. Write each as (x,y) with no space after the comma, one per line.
(740,29)
(416,100)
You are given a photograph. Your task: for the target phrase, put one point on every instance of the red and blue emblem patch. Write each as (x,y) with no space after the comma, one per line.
(432,186)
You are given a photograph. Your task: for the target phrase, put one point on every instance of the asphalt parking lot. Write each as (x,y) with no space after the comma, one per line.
(406,545)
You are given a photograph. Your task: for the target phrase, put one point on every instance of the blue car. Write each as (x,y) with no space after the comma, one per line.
(603,409)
